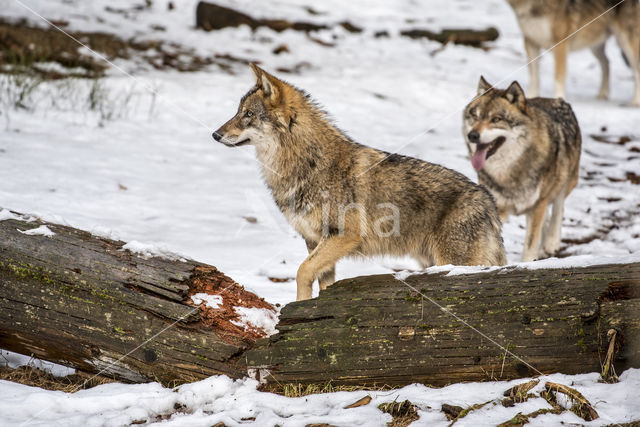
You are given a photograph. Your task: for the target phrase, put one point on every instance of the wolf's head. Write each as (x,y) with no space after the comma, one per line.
(494,120)
(261,113)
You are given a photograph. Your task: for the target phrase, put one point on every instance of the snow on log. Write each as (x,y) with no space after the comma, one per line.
(88,302)
(382,330)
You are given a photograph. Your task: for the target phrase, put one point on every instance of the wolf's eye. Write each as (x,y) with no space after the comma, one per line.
(472,112)
(248,113)
(496,119)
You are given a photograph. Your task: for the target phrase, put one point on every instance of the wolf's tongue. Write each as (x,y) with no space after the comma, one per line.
(478,159)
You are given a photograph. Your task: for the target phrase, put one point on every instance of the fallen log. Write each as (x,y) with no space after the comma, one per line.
(210,16)
(437,329)
(83,301)
(87,302)
(462,36)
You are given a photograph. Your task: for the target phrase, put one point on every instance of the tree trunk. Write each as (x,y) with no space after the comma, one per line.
(437,329)
(83,301)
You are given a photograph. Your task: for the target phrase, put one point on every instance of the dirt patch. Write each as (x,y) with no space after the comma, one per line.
(632,177)
(210,281)
(24,47)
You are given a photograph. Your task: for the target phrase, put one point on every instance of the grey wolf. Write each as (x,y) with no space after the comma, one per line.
(527,153)
(346,199)
(575,25)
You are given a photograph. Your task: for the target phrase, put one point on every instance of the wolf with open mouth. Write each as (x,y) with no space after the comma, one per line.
(526,153)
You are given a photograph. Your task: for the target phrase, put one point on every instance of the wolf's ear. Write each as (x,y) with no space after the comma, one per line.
(267,82)
(483,86)
(515,95)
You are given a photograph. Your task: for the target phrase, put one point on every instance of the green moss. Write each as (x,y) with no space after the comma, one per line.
(27,271)
(582,345)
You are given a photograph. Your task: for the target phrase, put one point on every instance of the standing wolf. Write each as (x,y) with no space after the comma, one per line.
(579,24)
(346,199)
(527,153)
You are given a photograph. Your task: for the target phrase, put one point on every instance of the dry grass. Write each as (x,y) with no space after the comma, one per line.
(28,375)
(300,390)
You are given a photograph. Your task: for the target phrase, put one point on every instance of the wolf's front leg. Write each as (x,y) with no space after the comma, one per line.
(535,220)
(551,238)
(327,278)
(560,64)
(534,67)
(322,259)
(601,56)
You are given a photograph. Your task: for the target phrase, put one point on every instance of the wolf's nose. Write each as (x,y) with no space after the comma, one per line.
(473,136)
(216,136)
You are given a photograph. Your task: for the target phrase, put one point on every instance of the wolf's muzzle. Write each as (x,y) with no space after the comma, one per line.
(216,136)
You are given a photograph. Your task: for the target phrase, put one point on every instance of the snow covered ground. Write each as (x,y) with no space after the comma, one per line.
(145,169)
(220,399)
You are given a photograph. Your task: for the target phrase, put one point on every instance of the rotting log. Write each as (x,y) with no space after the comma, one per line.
(379,330)
(82,301)
(463,36)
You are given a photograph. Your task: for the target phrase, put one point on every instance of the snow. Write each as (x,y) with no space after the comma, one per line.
(220,399)
(6,214)
(43,230)
(260,318)
(148,250)
(549,263)
(15,360)
(211,301)
(142,167)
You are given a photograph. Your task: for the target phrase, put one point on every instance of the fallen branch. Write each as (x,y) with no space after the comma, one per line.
(519,393)
(581,405)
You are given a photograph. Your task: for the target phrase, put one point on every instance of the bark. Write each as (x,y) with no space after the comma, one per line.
(83,301)
(376,330)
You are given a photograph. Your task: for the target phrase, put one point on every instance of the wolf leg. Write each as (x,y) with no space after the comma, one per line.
(601,56)
(534,67)
(504,215)
(629,42)
(535,220)
(327,278)
(323,259)
(560,64)
(551,238)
